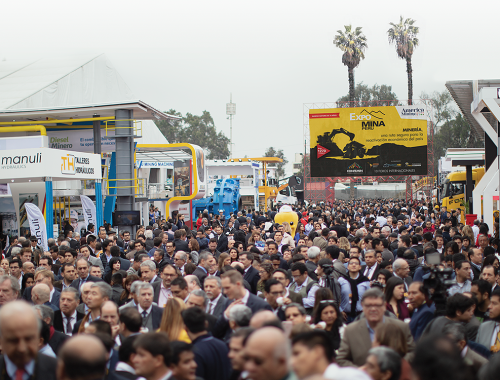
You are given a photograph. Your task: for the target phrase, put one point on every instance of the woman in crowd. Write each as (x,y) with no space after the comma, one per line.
(115,265)
(127,296)
(265,272)
(224,259)
(234,254)
(299,231)
(193,245)
(28,280)
(322,294)
(5,266)
(328,313)
(451,248)
(467,232)
(392,336)
(287,235)
(383,276)
(394,295)
(344,244)
(352,290)
(171,321)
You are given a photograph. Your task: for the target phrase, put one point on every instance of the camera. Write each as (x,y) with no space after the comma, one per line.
(438,282)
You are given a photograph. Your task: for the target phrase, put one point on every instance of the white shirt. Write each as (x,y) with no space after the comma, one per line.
(52,293)
(141,309)
(72,321)
(369,271)
(211,304)
(495,335)
(164,295)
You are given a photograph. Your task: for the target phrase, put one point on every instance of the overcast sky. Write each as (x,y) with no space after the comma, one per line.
(273,56)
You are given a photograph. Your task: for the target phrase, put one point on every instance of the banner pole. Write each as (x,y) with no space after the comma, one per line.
(49,207)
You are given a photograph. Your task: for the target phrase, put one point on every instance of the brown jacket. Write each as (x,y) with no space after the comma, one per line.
(356,342)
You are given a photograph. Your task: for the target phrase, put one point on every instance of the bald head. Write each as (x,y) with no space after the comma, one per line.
(82,357)
(262,317)
(19,332)
(40,294)
(269,347)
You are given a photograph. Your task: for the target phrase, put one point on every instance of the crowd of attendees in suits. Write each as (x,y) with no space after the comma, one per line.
(350,292)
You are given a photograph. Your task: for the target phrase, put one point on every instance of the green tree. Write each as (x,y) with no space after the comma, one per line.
(353,44)
(364,96)
(280,171)
(198,130)
(442,107)
(404,36)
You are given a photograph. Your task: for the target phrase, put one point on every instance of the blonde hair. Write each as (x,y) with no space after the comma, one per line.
(171,320)
(344,244)
(467,231)
(287,228)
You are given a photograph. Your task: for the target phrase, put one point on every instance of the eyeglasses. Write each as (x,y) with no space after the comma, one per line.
(327,301)
(368,306)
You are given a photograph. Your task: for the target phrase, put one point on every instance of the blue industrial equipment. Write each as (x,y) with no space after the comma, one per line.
(226,197)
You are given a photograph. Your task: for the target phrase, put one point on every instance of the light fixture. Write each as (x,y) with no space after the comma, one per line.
(11,180)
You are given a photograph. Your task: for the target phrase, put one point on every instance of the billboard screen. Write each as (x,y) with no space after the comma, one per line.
(368,141)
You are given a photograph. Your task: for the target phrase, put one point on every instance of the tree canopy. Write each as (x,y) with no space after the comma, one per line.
(198,130)
(280,171)
(377,95)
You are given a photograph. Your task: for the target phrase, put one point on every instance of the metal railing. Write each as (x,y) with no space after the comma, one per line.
(136,126)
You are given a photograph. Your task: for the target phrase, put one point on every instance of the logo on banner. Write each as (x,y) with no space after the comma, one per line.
(71,164)
(354,168)
(37,224)
(322,151)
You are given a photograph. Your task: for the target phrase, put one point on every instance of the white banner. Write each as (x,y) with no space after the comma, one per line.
(80,140)
(88,210)
(37,224)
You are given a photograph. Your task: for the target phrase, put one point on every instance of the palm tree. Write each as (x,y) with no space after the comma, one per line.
(404,36)
(353,44)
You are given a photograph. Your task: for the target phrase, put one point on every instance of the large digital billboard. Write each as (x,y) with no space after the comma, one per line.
(368,141)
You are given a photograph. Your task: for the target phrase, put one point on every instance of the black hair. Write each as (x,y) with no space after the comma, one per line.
(156,344)
(194,319)
(178,348)
(314,338)
(458,302)
(127,348)
(301,267)
(269,283)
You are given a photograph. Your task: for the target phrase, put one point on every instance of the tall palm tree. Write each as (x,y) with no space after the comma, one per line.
(404,36)
(353,44)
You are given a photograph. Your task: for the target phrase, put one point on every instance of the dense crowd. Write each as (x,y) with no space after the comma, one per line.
(365,289)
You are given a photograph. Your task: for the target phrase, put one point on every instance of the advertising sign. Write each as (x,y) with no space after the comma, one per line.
(156,164)
(44,162)
(89,212)
(37,225)
(367,141)
(181,178)
(80,140)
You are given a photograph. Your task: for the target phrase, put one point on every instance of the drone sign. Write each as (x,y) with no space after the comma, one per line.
(368,141)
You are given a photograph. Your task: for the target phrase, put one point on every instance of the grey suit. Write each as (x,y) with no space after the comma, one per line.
(356,342)
(485,333)
(339,268)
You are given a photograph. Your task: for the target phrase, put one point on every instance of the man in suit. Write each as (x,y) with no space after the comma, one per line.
(423,313)
(55,339)
(40,295)
(273,289)
(99,293)
(322,241)
(332,253)
(221,239)
(68,273)
(124,367)
(19,338)
(67,316)
(489,334)
(251,274)
(371,268)
(401,269)
(85,250)
(45,277)
(216,300)
(83,268)
(156,346)
(151,314)
(232,285)
(290,297)
(115,252)
(161,289)
(313,257)
(83,354)
(203,265)
(210,354)
(198,298)
(358,336)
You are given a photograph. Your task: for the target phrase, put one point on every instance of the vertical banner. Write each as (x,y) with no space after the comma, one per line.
(89,212)
(37,224)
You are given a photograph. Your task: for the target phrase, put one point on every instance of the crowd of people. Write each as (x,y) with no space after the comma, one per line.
(364,289)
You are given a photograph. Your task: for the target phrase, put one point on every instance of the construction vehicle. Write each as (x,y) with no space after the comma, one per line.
(453,189)
(352,150)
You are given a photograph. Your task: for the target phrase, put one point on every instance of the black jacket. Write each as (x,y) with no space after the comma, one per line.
(252,276)
(58,320)
(45,368)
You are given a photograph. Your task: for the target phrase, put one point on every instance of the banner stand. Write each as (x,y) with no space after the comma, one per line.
(49,206)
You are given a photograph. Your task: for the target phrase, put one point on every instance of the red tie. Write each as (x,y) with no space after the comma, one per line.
(19,374)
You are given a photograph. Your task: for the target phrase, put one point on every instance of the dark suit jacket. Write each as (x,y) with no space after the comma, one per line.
(222,330)
(156,314)
(156,291)
(210,355)
(222,243)
(45,368)
(311,266)
(252,276)
(57,340)
(420,319)
(58,320)
(220,306)
(374,273)
(181,245)
(75,284)
(201,274)
(54,300)
(356,342)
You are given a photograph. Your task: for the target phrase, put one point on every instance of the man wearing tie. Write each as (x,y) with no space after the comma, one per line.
(66,318)
(221,239)
(401,269)
(151,314)
(213,290)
